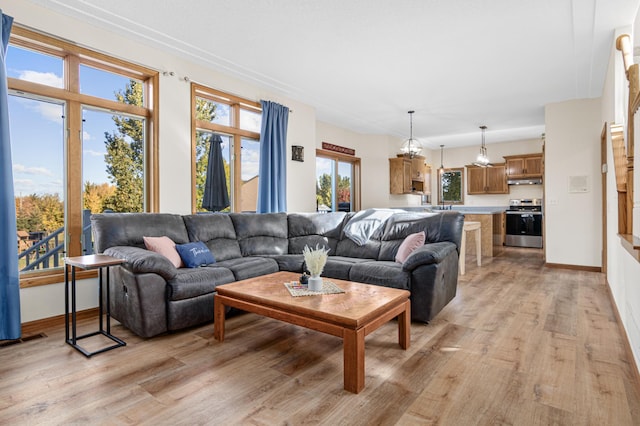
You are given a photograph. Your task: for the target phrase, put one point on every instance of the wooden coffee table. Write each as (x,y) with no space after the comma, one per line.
(352,315)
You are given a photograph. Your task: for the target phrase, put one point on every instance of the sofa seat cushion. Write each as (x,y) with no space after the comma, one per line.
(193,282)
(249,267)
(289,262)
(338,267)
(385,273)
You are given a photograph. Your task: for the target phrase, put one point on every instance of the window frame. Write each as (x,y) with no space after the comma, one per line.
(356,164)
(73,56)
(235,104)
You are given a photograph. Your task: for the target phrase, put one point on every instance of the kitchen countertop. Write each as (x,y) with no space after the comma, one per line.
(461,209)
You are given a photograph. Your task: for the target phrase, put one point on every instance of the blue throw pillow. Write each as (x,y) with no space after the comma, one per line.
(195,254)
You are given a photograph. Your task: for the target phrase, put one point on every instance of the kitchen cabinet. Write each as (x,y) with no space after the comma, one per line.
(409,175)
(400,175)
(487,180)
(524,166)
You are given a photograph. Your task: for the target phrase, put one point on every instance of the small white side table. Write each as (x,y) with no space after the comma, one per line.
(470,227)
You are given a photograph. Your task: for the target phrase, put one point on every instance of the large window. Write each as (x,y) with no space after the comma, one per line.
(82,142)
(230,125)
(337,182)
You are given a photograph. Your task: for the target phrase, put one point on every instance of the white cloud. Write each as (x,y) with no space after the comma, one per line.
(40,171)
(22,187)
(250,163)
(251,122)
(94,153)
(50,111)
(86,136)
(47,78)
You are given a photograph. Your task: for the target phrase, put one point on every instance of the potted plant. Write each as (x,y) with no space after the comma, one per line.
(315,259)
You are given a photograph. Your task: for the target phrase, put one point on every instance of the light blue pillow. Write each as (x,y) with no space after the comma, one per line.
(195,254)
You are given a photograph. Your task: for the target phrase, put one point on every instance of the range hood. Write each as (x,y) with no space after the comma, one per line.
(525,181)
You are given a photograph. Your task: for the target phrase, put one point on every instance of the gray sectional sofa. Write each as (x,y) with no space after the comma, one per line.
(150,296)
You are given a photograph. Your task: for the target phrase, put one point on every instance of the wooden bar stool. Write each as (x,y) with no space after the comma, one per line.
(470,227)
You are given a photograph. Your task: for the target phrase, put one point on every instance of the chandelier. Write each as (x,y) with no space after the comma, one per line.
(483,159)
(411,147)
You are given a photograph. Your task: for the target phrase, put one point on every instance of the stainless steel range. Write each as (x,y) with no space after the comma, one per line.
(524,223)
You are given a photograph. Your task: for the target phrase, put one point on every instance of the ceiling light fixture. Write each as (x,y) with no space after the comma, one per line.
(483,159)
(441,169)
(411,147)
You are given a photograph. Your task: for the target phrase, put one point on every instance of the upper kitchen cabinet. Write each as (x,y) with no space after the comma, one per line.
(524,166)
(400,175)
(409,175)
(487,180)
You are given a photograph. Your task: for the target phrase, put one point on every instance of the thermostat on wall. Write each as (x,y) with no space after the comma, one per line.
(578,184)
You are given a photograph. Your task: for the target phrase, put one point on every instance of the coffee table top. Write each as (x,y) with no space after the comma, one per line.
(355,307)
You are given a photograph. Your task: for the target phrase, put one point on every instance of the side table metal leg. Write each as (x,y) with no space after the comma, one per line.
(66,303)
(73,304)
(108,309)
(100,312)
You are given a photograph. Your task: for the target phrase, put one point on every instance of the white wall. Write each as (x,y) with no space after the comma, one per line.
(573,221)
(622,269)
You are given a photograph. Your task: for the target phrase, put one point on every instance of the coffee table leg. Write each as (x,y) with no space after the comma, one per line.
(218,319)
(404,326)
(353,347)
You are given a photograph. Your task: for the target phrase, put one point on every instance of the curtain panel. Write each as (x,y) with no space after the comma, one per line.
(9,275)
(272,181)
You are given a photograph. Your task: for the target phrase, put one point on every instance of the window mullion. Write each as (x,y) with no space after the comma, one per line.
(237,159)
(237,173)
(73,197)
(73,160)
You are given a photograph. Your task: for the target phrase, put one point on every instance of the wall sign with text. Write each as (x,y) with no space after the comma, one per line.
(336,148)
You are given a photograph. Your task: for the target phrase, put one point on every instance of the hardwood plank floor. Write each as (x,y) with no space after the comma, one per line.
(520,344)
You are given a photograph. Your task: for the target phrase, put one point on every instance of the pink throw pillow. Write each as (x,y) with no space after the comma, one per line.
(409,244)
(166,247)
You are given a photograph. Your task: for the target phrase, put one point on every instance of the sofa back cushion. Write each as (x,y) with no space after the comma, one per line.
(216,230)
(261,233)
(315,229)
(438,227)
(348,248)
(127,229)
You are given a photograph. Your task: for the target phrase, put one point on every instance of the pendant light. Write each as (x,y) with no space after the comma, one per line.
(483,159)
(441,169)
(411,147)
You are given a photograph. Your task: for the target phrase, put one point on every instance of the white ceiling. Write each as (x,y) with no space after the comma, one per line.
(364,63)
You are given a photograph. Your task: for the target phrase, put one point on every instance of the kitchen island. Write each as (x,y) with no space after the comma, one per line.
(492,225)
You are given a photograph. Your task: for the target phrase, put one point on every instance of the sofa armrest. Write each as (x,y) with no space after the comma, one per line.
(139,260)
(428,254)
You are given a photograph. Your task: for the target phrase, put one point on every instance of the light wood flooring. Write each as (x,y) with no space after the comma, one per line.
(520,344)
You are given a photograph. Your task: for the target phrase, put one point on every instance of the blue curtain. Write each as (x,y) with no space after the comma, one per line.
(9,275)
(272,183)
